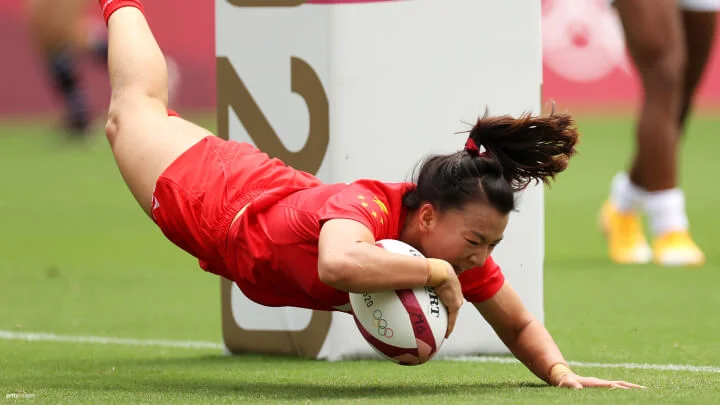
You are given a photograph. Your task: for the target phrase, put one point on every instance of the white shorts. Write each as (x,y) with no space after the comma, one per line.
(696,5)
(700,5)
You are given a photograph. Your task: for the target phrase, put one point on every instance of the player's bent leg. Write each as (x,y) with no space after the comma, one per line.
(145,141)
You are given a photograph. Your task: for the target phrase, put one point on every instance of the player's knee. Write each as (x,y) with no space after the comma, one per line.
(116,115)
(669,72)
(662,67)
(111,128)
(124,112)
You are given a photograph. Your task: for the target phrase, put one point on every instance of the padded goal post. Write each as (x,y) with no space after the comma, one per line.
(348,89)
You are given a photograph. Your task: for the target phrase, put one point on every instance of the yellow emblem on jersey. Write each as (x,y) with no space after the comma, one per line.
(381,204)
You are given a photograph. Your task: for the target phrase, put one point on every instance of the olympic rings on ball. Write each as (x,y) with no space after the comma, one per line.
(381,324)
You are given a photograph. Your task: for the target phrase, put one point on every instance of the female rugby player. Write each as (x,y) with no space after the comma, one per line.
(287,239)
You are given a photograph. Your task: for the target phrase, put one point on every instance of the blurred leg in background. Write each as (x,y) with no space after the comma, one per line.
(63,35)
(669,42)
(699,25)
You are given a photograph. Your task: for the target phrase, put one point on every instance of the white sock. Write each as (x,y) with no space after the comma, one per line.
(626,196)
(666,211)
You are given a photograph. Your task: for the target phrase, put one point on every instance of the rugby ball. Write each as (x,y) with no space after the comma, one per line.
(404,326)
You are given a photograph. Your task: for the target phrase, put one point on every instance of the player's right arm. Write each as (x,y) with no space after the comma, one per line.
(349,260)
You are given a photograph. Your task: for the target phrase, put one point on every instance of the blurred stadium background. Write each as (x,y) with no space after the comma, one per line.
(78,259)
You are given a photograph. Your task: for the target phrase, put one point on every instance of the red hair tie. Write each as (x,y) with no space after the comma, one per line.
(472,148)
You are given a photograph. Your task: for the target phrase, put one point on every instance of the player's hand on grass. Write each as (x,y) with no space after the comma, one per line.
(450,294)
(575,381)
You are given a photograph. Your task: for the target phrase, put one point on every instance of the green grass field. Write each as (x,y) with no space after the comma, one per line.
(78,258)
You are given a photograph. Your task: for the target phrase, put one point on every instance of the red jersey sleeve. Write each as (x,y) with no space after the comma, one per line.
(482,283)
(362,204)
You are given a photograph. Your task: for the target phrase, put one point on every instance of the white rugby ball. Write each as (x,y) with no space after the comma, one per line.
(404,326)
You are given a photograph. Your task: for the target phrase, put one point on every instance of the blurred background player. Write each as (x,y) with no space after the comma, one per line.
(669,42)
(64,32)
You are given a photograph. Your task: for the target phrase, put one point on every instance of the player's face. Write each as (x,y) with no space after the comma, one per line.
(466,237)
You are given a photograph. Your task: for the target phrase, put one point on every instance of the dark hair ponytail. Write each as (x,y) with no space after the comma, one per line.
(528,148)
(518,151)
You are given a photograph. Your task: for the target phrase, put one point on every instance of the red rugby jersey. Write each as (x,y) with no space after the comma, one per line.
(274,245)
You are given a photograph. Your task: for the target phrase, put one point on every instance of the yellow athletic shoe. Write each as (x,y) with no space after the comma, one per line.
(676,248)
(626,240)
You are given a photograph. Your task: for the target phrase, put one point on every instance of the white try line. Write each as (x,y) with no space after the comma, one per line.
(641,366)
(189,344)
(98,340)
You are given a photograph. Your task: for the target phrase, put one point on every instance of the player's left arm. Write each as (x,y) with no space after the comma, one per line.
(529,340)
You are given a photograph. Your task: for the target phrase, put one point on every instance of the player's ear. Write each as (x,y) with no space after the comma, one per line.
(427,217)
